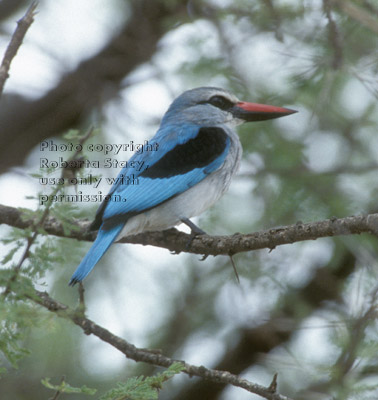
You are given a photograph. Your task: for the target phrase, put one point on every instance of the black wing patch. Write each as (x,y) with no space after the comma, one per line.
(198,152)
(95,225)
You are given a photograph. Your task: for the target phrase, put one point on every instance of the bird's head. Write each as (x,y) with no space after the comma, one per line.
(213,106)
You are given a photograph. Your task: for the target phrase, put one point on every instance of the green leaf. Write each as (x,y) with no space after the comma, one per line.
(140,388)
(64,387)
(10,254)
(72,134)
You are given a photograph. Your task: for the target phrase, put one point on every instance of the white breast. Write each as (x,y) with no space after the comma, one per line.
(190,203)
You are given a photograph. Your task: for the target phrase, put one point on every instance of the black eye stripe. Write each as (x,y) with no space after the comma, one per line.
(220,102)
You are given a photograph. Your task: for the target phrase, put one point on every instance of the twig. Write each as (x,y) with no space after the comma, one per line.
(81,297)
(58,392)
(18,36)
(82,140)
(30,241)
(365,18)
(350,354)
(276,18)
(149,356)
(273,385)
(70,172)
(333,36)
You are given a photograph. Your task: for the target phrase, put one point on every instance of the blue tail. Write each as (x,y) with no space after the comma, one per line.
(103,241)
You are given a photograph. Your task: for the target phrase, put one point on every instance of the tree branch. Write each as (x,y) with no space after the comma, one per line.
(177,241)
(360,15)
(18,36)
(148,356)
(94,81)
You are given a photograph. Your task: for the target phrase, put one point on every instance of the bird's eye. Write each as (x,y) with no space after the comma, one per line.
(220,102)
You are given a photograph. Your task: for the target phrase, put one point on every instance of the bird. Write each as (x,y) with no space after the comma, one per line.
(196,154)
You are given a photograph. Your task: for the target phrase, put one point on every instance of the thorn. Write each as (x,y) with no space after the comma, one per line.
(234,267)
(273,386)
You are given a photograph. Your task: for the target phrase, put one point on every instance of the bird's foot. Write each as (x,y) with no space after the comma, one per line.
(194,231)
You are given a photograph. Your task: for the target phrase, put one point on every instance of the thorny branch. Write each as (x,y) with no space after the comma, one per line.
(177,241)
(150,356)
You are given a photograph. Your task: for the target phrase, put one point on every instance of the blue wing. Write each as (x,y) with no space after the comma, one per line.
(185,156)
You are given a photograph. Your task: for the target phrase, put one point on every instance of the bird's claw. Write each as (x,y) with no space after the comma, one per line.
(195,231)
(191,238)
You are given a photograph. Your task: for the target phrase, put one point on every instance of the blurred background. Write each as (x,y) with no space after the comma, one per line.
(306,311)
